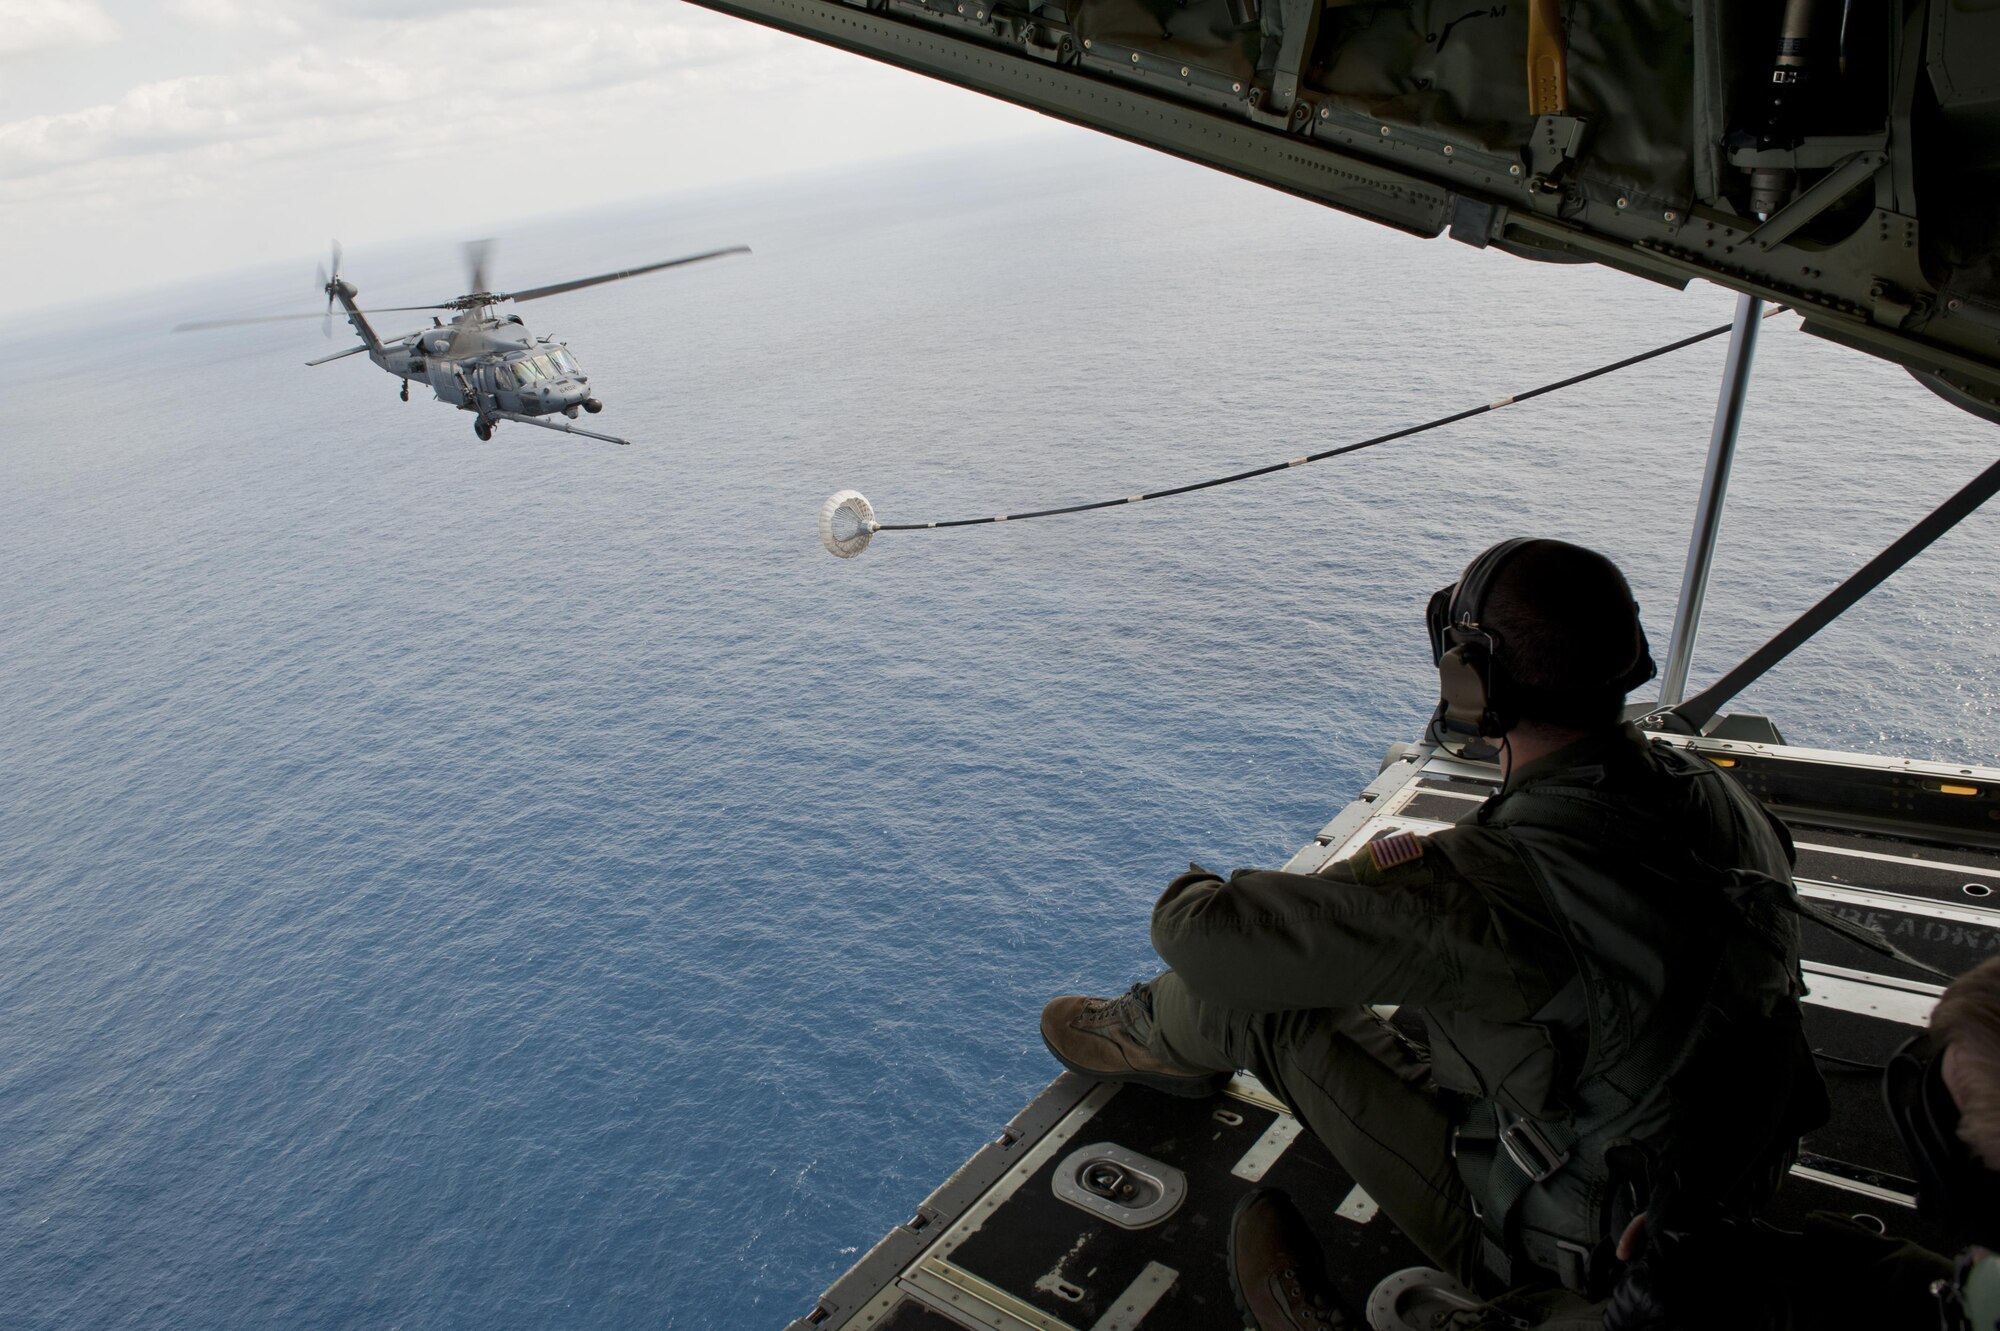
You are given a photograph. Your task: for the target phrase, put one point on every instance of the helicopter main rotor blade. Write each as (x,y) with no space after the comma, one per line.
(557,288)
(199,325)
(476,254)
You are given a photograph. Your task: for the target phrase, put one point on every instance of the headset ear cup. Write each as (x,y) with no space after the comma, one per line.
(1643,666)
(1437,616)
(1462,690)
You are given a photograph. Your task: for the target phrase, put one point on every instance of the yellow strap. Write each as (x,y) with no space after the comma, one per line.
(1548,61)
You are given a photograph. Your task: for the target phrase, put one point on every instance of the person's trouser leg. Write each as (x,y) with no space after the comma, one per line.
(1352,1081)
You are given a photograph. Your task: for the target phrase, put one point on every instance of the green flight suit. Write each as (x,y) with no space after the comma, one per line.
(1608,884)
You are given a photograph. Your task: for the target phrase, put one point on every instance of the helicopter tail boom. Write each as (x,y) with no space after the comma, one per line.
(344,291)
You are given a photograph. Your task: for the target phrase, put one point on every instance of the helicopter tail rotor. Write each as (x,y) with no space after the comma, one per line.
(329,285)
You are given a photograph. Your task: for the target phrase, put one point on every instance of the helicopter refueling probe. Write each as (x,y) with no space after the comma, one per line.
(847,520)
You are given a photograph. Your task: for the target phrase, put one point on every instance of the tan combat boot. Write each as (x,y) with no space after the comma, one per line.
(1105,1038)
(1278,1272)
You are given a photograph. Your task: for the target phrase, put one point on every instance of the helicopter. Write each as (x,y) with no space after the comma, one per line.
(481,361)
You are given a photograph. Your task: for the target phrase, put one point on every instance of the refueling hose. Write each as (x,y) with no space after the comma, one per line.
(847,520)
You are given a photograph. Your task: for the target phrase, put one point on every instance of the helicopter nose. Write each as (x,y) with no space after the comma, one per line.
(561,395)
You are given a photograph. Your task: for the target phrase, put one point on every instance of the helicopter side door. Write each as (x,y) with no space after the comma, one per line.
(499,387)
(494,385)
(448,381)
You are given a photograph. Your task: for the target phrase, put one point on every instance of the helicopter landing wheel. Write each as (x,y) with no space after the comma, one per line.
(592,405)
(406,390)
(570,412)
(484,429)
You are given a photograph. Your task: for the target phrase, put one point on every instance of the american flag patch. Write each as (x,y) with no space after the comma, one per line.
(1397,848)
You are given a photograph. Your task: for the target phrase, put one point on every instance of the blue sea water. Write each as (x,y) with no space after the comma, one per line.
(532,884)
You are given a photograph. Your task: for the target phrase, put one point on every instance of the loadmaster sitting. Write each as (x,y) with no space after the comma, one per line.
(1602,958)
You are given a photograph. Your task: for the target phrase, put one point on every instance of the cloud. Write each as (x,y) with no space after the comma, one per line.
(518,71)
(237,16)
(376,121)
(296,17)
(46,25)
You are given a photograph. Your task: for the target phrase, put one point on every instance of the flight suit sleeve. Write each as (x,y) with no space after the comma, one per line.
(1415,932)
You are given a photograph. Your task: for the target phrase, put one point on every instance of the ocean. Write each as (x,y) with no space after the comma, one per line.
(531,884)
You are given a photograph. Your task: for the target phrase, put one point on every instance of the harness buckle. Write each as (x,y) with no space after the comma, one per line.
(1532,1153)
(1573,1266)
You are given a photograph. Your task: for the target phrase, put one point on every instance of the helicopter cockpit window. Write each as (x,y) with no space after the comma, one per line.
(526,372)
(544,369)
(564,361)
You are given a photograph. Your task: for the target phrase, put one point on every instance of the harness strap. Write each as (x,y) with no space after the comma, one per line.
(1513,1154)
(1506,1154)
(1522,1149)
(1859,934)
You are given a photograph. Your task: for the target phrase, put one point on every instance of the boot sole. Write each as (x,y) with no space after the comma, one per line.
(1235,1282)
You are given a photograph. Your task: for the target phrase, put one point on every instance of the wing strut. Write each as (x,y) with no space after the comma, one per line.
(1699,710)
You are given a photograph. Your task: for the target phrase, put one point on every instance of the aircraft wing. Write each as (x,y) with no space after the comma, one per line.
(1839,156)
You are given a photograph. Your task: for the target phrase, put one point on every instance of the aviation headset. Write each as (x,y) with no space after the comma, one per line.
(1478,695)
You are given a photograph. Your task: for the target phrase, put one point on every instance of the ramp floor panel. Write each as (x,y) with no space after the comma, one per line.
(1858,1131)
(1076,1267)
(910,1315)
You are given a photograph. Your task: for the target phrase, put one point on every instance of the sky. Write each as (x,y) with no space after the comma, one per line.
(150,142)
